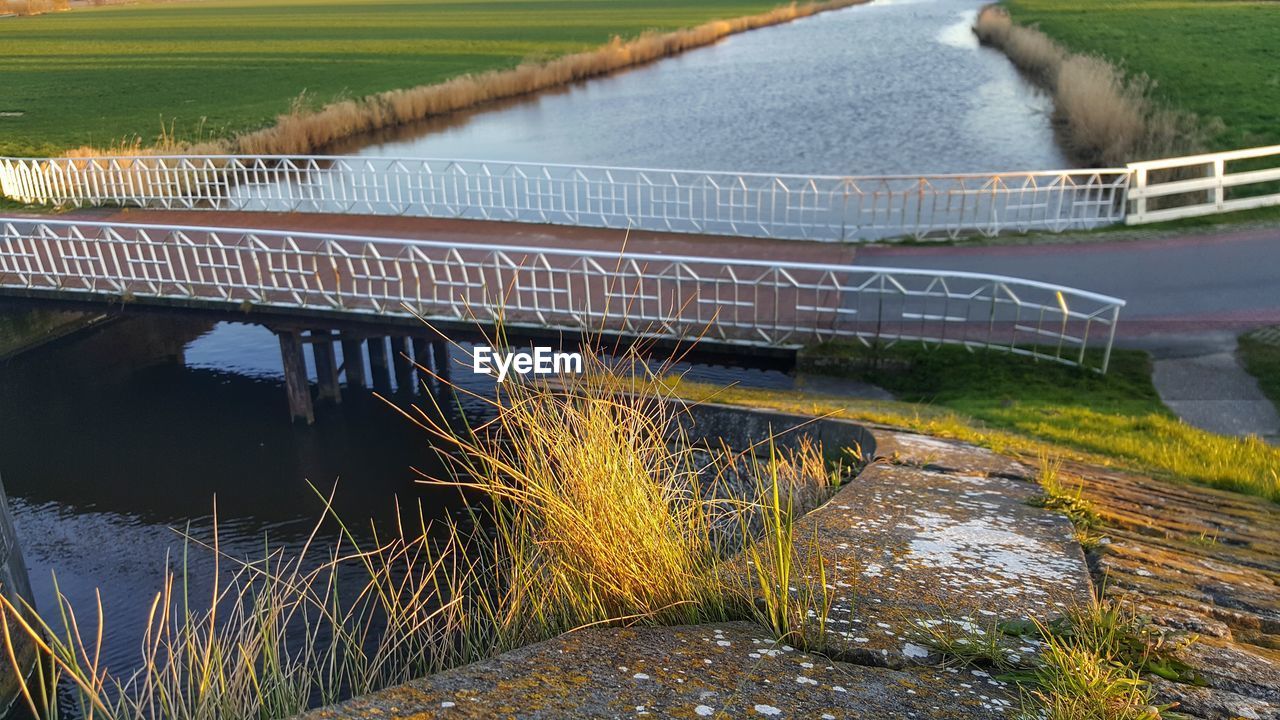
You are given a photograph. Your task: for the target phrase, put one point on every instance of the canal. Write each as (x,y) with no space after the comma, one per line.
(890,87)
(116,440)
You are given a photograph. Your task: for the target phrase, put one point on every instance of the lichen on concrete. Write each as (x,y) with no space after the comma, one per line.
(724,670)
(904,545)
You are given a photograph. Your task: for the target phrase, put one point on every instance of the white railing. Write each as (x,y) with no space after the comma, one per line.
(810,207)
(1196,185)
(744,302)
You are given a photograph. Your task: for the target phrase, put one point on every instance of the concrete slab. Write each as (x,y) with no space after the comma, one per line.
(933,453)
(1204,565)
(724,670)
(906,546)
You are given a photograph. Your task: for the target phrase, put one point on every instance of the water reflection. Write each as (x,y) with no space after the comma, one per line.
(883,88)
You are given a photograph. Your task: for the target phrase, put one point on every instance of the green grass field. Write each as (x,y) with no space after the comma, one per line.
(1013,403)
(100,75)
(1216,58)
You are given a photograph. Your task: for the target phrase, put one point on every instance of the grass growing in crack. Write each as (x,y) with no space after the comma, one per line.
(1092,661)
(962,641)
(1069,501)
(1087,665)
(794,600)
(598,516)
(1115,631)
(1075,683)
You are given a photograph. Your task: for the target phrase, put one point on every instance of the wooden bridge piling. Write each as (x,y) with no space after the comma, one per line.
(440,358)
(326,366)
(353,361)
(378,364)
(295,376)
(401,354)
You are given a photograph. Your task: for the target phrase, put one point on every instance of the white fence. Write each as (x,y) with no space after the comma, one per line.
(741,302)
(810,207)
(1196,185)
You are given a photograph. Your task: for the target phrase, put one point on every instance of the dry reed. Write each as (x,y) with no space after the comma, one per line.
(302,130)
(33,7)
(1104,116)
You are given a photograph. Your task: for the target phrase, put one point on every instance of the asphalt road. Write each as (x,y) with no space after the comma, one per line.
(1180,285)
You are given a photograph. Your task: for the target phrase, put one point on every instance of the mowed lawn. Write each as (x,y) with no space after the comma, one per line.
(1213,57)
(101,75)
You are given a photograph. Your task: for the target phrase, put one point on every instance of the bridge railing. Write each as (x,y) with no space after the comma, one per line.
(1207,184)
(809,207)
(740,302)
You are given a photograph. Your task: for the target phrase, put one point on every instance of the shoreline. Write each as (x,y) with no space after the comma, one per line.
(1102,116)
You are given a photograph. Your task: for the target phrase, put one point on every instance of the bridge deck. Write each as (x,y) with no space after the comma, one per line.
(481,232)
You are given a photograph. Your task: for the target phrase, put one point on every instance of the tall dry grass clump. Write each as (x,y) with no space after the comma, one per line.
(1104,116)
(605,510)
(303,130)
(592,509)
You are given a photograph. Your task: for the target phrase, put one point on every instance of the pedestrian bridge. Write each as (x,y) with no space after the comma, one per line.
(802,207)
(710,300)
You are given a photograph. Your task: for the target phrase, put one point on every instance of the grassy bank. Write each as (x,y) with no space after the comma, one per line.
(1214,59)
(217,68)
(1013,404)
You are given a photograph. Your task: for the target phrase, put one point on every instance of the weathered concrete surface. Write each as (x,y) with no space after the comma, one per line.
(904,545)
(494,232)
(950,456)
(726,670)
(1198,562)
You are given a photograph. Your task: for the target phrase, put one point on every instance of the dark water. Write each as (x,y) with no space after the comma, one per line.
(116,440)
(891,87)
